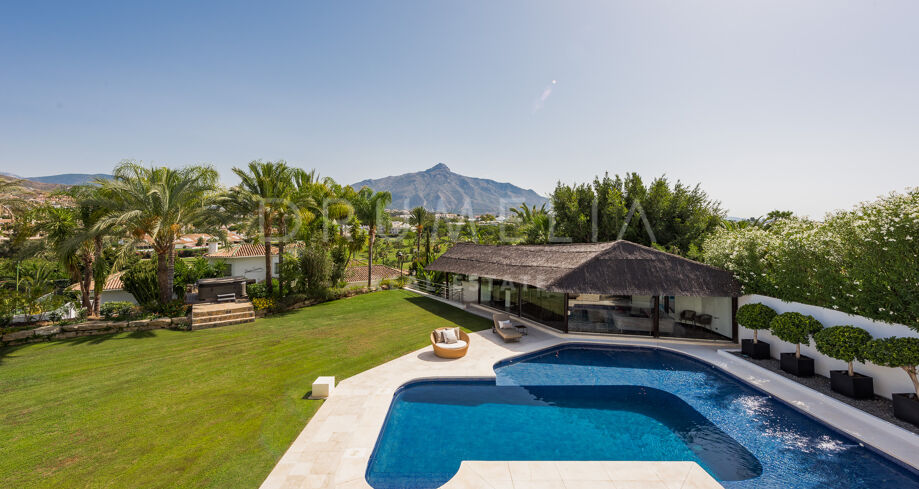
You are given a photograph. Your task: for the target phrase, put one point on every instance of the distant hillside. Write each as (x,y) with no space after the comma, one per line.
(439,189)
(69,178)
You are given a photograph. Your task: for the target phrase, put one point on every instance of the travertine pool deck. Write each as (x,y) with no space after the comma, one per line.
(334,448)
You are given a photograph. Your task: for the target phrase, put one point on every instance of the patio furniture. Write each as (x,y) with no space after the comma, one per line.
(522,329)
(688,316)
(704,320)
(507,333)
(450,350)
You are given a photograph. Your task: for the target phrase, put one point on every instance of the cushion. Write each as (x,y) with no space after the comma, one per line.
(505,324)
(450,336)
(452,346)
(438,336)
(457,330)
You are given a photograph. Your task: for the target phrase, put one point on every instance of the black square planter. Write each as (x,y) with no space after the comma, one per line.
(906,407)
(802,367)
(756,351)
(857,387)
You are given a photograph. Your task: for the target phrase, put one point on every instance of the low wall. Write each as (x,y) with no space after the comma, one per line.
(88,328)
(886,380)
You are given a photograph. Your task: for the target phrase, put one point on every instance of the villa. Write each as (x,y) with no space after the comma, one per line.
(616,287)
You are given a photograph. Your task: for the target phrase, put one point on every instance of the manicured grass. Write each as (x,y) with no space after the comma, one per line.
(211,408)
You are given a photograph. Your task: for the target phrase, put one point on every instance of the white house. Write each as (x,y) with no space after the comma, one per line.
(244,260)
(112,291)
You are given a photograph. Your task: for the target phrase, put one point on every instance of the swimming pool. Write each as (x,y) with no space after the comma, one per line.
(588,402)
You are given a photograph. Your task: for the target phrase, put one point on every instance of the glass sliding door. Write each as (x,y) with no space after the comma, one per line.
(698,317)
(619,314)
(500,295)
(543,306)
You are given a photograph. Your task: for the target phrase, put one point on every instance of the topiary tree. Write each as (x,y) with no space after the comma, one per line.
(755,317)
(796,328)
(846,343)
(894,353)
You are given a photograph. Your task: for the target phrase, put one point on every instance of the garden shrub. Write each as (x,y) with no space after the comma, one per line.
(846,343)
(140,281)
(755,317)
(262,303)
(118,311)
(257,291)
(860,261)
(795,328)
(896,353)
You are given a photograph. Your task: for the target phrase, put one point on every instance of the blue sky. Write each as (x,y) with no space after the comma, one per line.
(807,106)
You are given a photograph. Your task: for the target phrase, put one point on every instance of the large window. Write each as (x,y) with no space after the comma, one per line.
(622,314)
(500,295)
(544,307)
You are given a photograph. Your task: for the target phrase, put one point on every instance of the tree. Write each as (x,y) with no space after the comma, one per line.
(755,317)
(896,353)
(846,343)
(679,216)
(369,207)
(158,202)
(796,328)
(536,223)
(418,217)
(265,191)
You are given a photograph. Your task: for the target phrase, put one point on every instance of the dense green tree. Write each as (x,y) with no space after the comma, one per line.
(610,208)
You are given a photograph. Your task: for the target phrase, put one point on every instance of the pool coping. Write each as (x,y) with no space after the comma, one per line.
(334,448)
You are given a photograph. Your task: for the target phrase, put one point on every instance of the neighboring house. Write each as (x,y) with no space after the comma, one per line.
(357,275)
(244,260)
(112,291)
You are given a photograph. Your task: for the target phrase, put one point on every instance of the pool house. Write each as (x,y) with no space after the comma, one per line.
(616,287)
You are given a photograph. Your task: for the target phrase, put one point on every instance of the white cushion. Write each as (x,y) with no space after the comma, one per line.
(452,346)
(505,324)
(450,336)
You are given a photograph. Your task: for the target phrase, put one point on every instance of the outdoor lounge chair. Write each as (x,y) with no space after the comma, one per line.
(507,334)
(450,350)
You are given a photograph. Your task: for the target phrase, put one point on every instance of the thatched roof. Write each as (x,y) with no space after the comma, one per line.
(615,268)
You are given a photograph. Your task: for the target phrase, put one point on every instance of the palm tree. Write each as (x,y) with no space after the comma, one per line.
(418,217)
(369,206)
(265,192)
(59,225)
(535,223)
(158,202)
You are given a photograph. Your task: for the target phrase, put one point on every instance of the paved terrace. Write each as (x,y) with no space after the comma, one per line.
(335,446)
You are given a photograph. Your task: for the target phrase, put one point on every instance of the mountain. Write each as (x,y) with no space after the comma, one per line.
(69,178)
(439,189)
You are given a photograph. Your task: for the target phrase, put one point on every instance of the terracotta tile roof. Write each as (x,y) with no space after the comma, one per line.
(113,282)
(248,250)
(359,273)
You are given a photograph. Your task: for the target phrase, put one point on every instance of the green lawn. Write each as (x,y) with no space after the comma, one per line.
(211,408)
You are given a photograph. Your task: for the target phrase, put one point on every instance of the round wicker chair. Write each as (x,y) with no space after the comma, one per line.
(443,352)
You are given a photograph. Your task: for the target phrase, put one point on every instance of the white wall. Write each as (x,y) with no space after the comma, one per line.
(886,380)
(252,267)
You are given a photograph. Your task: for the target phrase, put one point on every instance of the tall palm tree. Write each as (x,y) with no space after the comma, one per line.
(265,192)
(370,206)
(418,217)
(161,203)
(535,223)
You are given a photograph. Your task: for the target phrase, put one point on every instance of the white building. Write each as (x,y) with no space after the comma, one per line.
(112,291)
(244,260)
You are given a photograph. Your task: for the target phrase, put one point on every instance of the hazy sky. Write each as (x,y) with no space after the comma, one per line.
(807,106)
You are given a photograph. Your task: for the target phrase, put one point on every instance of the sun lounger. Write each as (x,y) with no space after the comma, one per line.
(508,333)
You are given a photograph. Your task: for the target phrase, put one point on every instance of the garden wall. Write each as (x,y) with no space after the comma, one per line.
(88,328)
(886,380)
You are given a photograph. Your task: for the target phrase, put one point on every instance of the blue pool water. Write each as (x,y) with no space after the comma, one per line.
(581,402)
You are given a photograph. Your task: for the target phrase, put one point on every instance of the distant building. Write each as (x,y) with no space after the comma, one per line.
(245,260)
(112,291)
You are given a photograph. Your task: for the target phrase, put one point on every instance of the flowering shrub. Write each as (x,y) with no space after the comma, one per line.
(262,303)
(861,261)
